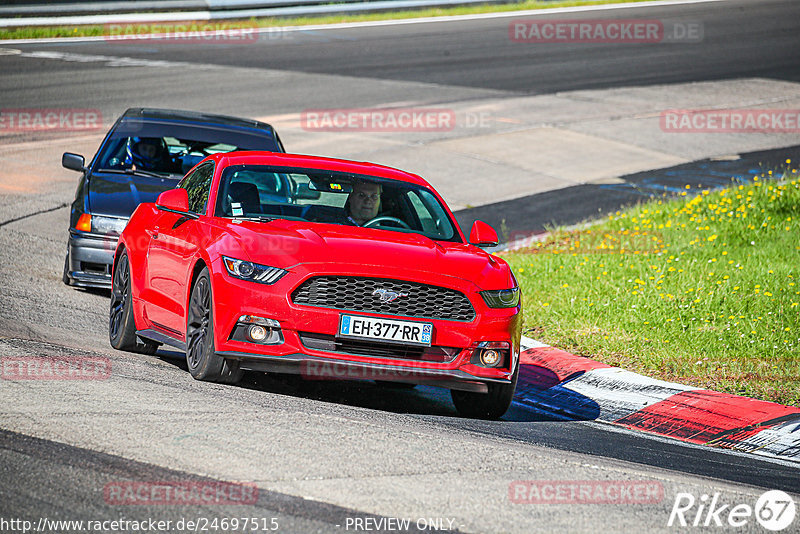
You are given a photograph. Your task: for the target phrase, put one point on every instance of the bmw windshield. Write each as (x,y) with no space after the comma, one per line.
(171,149)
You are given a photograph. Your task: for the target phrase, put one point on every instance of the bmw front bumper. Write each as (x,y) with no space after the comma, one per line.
(89,259)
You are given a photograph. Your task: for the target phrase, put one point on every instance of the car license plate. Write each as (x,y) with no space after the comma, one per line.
(388,330)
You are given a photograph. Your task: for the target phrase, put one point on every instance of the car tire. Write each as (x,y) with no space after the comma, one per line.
(491,405)
(121,325)
(64,274)
(201,358)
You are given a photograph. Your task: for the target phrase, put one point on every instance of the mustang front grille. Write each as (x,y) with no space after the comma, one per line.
(389,297)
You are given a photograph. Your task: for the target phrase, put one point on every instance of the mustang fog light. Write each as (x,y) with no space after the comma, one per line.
(254,329)
(489,358)
(491,354)
(257,333)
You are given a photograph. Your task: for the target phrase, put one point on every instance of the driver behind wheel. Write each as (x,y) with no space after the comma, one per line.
(364,202)
(147,153)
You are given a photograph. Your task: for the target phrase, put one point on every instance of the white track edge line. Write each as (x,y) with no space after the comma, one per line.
(376,23)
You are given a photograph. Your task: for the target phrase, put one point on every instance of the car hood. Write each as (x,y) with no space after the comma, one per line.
(286,244)
(117,195)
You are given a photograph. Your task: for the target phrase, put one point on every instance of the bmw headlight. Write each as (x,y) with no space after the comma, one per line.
(108,225)
(247,270)
(501,298)
(101,225)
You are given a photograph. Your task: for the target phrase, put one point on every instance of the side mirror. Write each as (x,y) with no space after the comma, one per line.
(304,192)
(483,235)
(73,162)
(174,200)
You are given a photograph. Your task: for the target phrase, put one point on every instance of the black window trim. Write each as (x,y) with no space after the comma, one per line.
(189,176)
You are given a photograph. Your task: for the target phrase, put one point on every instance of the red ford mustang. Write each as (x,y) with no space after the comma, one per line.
(357,271)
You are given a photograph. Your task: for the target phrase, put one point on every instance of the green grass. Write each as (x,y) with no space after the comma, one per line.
(703,290)
(37,32)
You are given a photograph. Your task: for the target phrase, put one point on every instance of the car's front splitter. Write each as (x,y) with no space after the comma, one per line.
(320,368)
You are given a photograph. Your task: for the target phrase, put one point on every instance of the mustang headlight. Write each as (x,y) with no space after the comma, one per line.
(247,270)
(501,298)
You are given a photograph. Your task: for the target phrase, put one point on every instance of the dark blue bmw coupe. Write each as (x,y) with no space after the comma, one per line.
(146,152)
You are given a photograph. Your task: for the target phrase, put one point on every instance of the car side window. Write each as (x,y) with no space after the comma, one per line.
(198,186)
(431,215)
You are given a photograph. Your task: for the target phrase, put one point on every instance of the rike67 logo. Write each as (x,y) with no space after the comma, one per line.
(774,511)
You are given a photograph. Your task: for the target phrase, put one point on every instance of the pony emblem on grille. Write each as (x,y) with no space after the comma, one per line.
(388,296)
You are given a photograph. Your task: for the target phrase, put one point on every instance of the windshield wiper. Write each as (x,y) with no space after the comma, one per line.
(139,172)
(256,219)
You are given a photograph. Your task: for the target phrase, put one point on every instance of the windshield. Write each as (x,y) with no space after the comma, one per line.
(258,191)
(173,149)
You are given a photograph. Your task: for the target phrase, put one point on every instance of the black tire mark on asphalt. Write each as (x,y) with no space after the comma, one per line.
(117,468)
(34,214)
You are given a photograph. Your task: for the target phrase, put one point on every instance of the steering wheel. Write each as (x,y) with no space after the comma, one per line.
(385,218)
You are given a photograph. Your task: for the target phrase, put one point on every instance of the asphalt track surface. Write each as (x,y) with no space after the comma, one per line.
(741,38)
(59,475)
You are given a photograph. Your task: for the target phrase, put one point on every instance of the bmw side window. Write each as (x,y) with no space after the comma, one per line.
(198,186)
